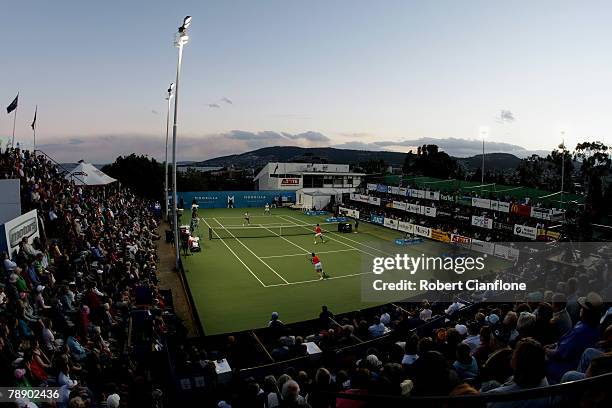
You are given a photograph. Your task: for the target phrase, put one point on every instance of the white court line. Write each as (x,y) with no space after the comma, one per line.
(318,280)
(237,257)
(280,236)
(249,249)
(300,254)
(348,245)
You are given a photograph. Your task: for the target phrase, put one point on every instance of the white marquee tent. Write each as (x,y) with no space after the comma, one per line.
(86,174)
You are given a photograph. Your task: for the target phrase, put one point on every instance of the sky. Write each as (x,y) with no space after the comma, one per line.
(361,74)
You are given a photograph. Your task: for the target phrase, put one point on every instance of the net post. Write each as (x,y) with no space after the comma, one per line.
(210,233)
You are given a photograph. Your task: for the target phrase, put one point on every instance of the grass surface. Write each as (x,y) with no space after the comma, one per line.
(236,283)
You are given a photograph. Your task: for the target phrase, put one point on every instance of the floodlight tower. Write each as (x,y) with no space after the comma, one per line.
(484,133)
(181,40)
(168,98)
(562,149)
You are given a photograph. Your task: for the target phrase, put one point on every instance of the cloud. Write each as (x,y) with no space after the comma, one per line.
(356,145)
(214,105)
(505,116)
(153,111)
(310,136)
(227,100)
(76,141)
(268,137)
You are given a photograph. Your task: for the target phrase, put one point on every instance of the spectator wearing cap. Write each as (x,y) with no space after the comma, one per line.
(528,371)
(565,355)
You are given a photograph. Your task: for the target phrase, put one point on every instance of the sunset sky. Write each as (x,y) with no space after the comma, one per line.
(376,75)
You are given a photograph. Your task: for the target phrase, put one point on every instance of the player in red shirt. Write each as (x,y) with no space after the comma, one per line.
(318,234)
(318,266)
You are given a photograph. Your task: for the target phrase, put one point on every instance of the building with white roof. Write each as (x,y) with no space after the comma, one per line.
(296,176)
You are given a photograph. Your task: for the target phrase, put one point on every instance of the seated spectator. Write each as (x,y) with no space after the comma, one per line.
(561,321)
(465,365)
(565,355)
(529,371)
(377,328)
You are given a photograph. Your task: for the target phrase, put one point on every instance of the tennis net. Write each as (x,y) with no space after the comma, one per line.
(262,231)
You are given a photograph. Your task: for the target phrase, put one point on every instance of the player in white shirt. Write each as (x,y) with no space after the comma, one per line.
(247,219)
(267,209)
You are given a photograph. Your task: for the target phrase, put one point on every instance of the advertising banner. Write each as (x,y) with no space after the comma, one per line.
(440,235)
(481,203)
(461,240)
(503,227)
(395,190)
(482,221)
(374,200)
(525,231)
(400,205)
(422,231)
(237,199)
(406,227)
(483,246)
(432,195)
(413,208)
(429,211)
(377,219)
(500,206)
(390,223)
(403,191)
(371,187)
(13,231)
(381,188)
(541,213)
(521,209)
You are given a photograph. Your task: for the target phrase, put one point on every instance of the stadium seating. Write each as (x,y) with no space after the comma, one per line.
(80,309)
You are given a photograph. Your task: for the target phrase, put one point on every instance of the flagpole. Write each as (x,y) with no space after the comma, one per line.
(14,121)
(34,128)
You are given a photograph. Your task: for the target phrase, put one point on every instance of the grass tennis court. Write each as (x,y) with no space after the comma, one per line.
(243,275)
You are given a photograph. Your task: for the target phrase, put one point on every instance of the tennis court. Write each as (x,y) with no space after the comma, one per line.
(243,274)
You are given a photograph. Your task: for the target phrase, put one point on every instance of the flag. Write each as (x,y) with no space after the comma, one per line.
(13,105)
(275,169)
(34,121)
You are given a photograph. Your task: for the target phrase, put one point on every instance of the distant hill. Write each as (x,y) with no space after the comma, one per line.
(493,161)
(260,157)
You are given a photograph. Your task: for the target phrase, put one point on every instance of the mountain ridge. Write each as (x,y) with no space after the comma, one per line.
(260,157)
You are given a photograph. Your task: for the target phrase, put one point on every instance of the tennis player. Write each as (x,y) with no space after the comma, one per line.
(267,209)
(247,219)
(318,266)
(318,234)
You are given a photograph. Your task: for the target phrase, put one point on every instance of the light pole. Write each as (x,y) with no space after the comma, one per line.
(484,133)
(168,98)
(562,148)
(181,39)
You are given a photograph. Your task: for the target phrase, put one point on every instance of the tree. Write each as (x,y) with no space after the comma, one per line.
(143,174)
(431,162)
(595,166)
(531,170)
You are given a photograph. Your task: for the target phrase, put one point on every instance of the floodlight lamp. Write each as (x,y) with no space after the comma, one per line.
(483,132)
(186,22)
